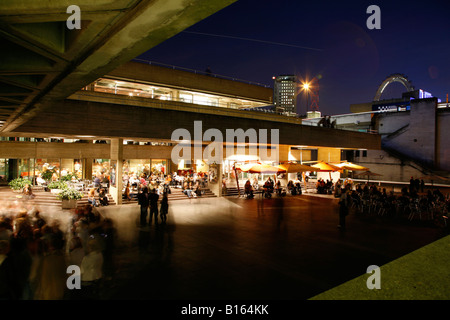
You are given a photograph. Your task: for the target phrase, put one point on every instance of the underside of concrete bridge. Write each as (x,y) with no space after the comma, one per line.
(43,60)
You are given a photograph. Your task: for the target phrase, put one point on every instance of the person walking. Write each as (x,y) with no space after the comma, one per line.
(164,210)
(143,200)
(153,197)
(343,207)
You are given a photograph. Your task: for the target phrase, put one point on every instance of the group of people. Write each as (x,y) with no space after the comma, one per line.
(325,187)
(267,189)
(181,180)
(148,201)
(192,190)
(430,205)
(416,185)
(191,184)
(35,252)
(326,122)
(98,197)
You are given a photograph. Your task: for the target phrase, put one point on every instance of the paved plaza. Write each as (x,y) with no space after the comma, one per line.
(234,248)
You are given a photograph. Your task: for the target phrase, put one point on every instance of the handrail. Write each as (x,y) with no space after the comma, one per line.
(199,72)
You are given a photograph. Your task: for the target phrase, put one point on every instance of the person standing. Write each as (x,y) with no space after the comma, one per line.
(153,206)
(343,207)
(164,210)
(143,201)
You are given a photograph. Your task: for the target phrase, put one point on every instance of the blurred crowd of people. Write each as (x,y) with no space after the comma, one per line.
(36,251)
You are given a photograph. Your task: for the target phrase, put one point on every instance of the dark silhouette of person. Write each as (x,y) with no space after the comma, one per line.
(411,184)
(153,197)
(208,71)
(248,190)
(343,207)
(143,200)
(328,122)
(164,210)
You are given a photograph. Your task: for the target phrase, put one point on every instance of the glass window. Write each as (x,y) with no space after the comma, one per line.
(43,165)
(138,167)
(3,171)
(158,166)
(186,97)
(100,167)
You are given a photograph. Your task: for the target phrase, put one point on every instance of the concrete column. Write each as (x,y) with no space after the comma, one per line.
(216,188)
(87,168)
(117,155)
(219,180)
(87,165)
(284,152)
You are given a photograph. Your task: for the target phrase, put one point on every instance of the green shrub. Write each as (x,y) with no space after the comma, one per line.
(57,185)
(68,177)
(69,194)
(47,175)
(19,183)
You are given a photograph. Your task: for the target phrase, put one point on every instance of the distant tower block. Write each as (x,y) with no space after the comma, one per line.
(314,106)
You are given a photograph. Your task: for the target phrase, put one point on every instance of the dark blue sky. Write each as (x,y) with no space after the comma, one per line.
(414,40)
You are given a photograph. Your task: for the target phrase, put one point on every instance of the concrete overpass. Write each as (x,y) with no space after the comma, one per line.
(42,60)
(109,116)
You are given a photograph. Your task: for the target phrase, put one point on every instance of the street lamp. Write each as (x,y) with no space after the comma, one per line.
(306,88)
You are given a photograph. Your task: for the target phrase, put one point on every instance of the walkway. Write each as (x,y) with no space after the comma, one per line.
(233,248)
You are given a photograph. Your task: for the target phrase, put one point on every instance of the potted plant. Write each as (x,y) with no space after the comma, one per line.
(56,186)
(47,175)
(18,184)
(69,197)
(68,177)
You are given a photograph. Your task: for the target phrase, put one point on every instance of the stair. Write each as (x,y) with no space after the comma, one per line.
(46,198)
(43,198)
(233,191)
(175,194)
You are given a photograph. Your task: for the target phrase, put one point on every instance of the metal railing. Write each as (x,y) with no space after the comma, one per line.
(159,64)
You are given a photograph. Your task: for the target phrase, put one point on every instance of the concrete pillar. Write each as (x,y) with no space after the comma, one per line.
(87,168)
(216,187)
(284,153)
(87,165)
(219,180)
(117,156)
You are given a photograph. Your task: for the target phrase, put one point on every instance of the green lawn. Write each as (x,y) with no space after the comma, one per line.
(421,275)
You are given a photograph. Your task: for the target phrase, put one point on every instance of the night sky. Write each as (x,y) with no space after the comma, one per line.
(325,39)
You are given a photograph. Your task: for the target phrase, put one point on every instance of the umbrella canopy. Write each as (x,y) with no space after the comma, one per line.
(351,166)
(260,168)
(326,167)
(291,167)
